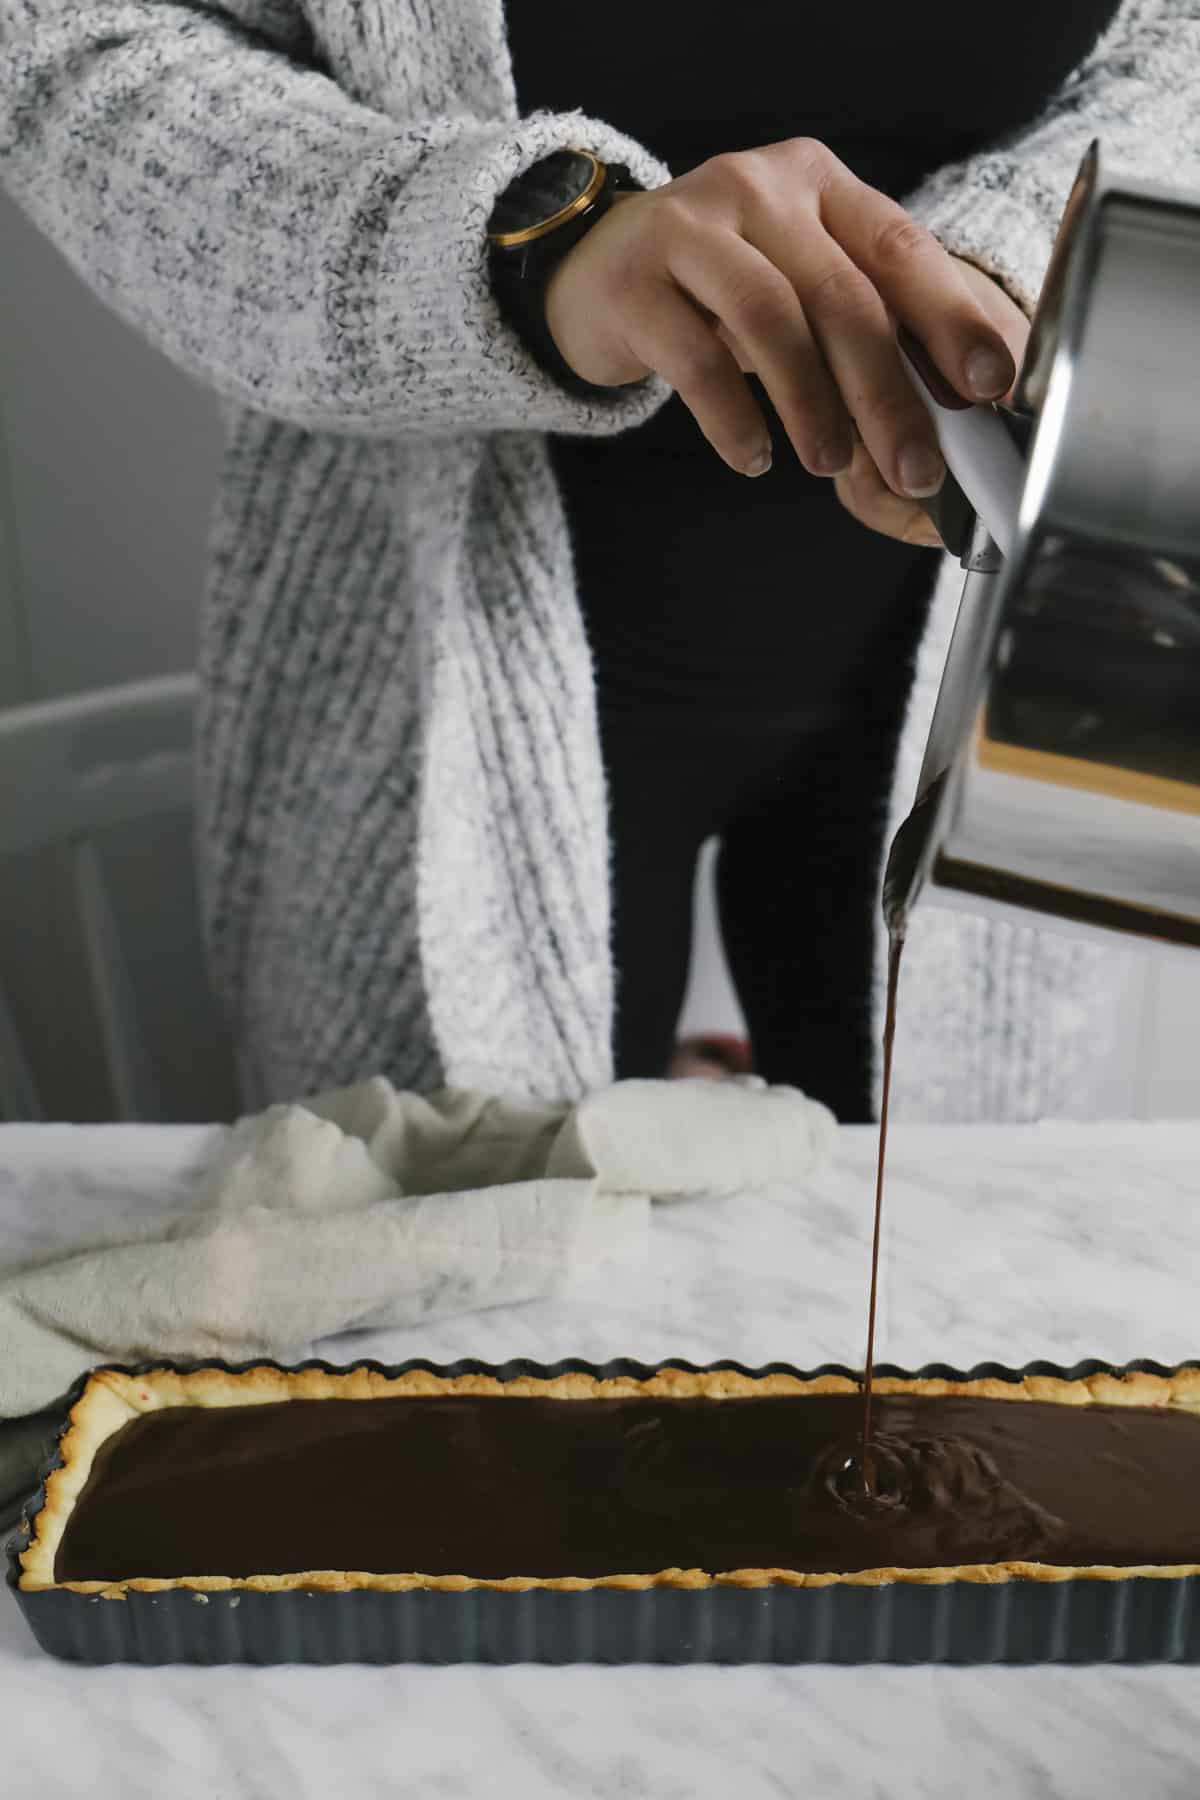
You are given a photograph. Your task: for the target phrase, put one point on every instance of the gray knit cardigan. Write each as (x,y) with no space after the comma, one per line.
(402,807)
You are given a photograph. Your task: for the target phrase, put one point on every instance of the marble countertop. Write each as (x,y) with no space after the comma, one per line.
(1056,1241)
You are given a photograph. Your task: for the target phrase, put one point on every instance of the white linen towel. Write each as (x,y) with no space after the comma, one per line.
(366,1207)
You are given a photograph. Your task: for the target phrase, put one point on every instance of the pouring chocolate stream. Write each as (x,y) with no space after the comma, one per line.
(895,950)
(905,857)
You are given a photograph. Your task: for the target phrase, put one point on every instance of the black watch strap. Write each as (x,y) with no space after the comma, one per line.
(542,215)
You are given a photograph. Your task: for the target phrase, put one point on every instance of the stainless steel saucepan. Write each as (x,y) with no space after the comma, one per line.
(1062,770)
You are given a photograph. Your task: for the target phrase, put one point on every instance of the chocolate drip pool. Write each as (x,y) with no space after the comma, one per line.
(492,1486)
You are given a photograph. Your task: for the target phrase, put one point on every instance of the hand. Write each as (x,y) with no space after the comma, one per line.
(779,260)
(862,489)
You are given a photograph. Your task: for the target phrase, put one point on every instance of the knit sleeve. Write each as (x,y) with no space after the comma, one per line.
(297,251)
(1138,92)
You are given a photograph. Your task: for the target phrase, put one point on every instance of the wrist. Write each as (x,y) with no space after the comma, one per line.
(536,224)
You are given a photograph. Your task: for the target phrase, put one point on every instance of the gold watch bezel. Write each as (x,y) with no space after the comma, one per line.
(511,240)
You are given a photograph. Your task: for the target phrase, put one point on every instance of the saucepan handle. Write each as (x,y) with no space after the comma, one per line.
(986,471)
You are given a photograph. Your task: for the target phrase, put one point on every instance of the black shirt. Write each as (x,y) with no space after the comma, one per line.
(894,90)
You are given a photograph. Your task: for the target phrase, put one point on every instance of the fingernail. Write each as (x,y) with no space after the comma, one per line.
(760,462)
(922,470)
(988,373)
(832,457)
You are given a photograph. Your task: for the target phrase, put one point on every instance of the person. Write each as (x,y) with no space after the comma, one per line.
(506,612)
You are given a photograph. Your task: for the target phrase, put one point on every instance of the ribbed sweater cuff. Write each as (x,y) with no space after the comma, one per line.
(439,333)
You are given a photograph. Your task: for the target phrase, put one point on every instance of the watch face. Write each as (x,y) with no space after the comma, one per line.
(568,172)
(557,184)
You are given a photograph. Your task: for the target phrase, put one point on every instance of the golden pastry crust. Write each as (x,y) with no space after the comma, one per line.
(112,1398)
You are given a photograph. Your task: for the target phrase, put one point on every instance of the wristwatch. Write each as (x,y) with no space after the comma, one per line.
(538,218)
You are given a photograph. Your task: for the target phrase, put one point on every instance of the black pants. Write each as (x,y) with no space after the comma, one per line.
(797,879)
(753,648)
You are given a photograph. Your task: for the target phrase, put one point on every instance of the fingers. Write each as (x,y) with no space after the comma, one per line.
(849,323)
(741,355)
(760,315)
(1007,317)
(669,336)
(920,282)
(867,497)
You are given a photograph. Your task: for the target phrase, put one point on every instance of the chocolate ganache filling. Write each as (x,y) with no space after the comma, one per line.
(491,1486)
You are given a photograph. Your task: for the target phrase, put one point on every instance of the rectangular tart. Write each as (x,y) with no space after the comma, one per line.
(616,1514)
(358,1479)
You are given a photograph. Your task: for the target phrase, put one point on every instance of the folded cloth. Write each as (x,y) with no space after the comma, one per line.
(365,1207)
